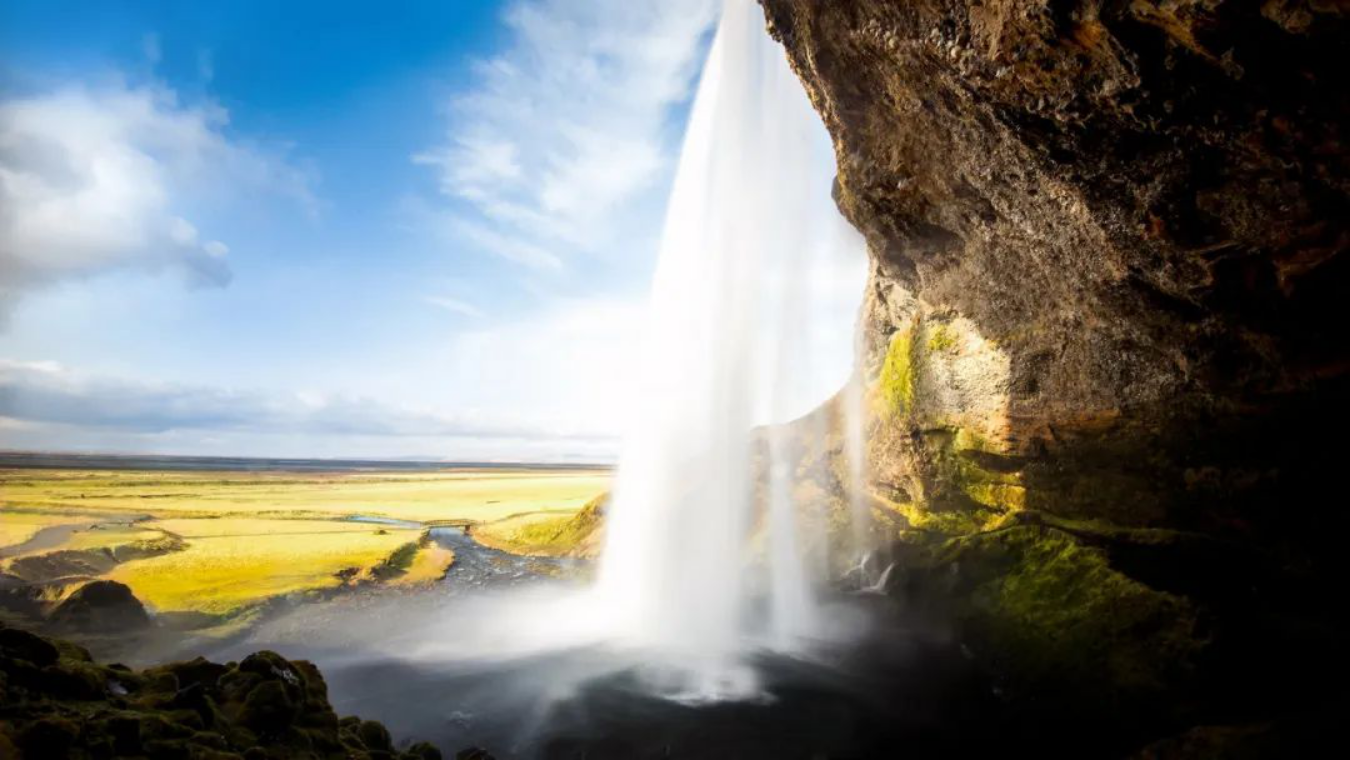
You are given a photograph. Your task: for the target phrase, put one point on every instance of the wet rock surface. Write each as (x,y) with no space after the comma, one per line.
(1104,378)
(57,702)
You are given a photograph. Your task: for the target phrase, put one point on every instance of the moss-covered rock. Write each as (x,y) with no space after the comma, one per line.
(1048,608)
(896,382)
(59,703)
(424,751)
(103,606)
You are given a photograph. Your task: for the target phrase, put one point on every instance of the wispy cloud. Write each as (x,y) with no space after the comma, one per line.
(455,306)
(569,125)
(93,179)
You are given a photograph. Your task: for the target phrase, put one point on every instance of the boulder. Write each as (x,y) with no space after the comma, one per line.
(101,606)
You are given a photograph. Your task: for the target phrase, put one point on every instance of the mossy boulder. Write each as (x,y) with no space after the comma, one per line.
(1049,611)
(59,703)
(424,751)
(103,606)
(1133,633)
(26,648)
(374,735)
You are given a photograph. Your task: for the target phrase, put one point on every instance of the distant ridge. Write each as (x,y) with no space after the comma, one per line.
(63,460)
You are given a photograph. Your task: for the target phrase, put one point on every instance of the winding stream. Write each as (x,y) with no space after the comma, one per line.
(480,566)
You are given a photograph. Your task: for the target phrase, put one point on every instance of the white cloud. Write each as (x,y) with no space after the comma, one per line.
(511,248)
(455,306)
(93,179)
(570,124)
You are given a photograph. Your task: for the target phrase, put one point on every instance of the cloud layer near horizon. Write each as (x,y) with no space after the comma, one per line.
(49,393)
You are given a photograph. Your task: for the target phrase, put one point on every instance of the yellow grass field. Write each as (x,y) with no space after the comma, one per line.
(523,534)
(477,495)
(428,566)
(251,536)
(231,563)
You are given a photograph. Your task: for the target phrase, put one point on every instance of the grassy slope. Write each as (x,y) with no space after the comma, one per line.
(575,534)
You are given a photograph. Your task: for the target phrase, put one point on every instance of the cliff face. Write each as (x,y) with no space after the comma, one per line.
(1102,332)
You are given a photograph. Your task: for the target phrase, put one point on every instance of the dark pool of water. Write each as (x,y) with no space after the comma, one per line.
(409,660)
(904,697)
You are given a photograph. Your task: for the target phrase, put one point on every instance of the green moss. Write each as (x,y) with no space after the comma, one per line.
(968,440)
(941,339)
(897,373)
(965,472)
(59,703)
(949,522)
(1002,496)
(1049,607)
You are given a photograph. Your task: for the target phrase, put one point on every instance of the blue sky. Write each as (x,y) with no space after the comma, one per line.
(332,229)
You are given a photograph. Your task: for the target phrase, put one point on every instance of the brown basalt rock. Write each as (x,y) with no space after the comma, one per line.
(1135,212)
(1101,331)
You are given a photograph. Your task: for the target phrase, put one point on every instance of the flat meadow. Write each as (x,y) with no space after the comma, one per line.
(223,542)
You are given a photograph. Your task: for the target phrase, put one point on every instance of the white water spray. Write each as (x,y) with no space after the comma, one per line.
(746,328)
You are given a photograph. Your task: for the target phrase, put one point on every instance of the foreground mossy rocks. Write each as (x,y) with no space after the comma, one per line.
(56,702)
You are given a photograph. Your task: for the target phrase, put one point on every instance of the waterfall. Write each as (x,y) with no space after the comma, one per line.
(746,328)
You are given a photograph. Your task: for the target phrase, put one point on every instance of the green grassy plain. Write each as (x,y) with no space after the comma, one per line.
(249,536)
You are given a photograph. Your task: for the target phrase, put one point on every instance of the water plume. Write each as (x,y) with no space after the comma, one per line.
(704,574)
(744,330)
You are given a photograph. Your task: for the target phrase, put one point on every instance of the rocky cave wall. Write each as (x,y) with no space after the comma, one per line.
(1102,333)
